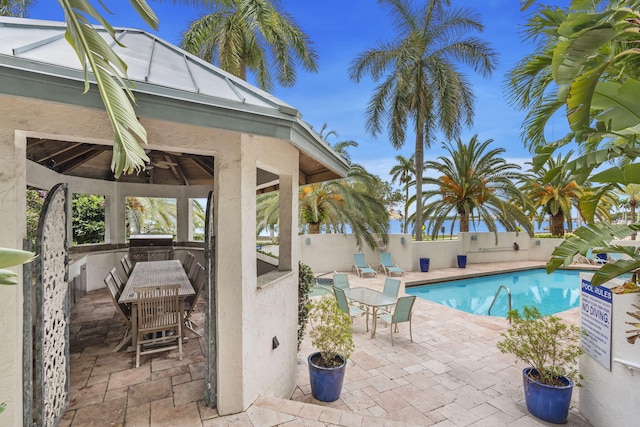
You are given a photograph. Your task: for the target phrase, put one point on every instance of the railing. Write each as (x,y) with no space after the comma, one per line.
(496,297)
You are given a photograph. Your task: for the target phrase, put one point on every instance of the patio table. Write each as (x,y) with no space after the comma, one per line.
(153,273)
(370,298)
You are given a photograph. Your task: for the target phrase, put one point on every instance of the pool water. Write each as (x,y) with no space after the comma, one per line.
(550,293)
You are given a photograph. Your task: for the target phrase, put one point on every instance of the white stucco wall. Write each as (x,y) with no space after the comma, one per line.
(610,398)
(249,315)
(12,219)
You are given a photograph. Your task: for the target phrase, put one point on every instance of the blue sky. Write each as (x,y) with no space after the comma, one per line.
(339,31)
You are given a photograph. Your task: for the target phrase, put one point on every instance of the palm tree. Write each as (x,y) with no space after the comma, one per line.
(333,206)
(553,190)
(632,193)
(253,35)
(474,182)
(17,8)
(151,215)
(421,80)
(404,172)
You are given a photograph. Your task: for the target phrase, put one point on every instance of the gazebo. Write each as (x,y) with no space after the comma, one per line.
(208,131)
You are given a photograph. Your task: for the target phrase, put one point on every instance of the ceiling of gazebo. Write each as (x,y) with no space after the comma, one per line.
(87,160)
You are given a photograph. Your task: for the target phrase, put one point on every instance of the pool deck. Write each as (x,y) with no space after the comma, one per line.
(452,374)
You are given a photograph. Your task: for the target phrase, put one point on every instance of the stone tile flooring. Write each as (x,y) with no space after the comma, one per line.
(451,375)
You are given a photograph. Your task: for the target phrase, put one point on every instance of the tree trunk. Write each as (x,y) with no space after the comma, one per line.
(419,165)
(314,228)
(464,223)
(632,207)
(405,226)
(557,224)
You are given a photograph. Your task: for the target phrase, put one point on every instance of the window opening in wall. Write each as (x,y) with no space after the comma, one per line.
(87,218)
(151,215)
(198,218)
(35,200)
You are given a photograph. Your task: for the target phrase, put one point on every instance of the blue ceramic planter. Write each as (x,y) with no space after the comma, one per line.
(462,261)
(549,403)
(326,383)
(424,264)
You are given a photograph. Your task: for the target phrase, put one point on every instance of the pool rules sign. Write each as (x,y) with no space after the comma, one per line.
(596,302)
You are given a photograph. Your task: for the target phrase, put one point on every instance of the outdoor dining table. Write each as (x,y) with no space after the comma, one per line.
(370,298)
(153,273)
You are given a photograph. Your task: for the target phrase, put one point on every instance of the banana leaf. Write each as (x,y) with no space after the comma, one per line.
(9,258)
(598,236)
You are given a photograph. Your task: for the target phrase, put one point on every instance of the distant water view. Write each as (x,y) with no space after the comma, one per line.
(395,227)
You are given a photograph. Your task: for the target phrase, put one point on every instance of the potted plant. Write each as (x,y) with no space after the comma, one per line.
(551,349)
(331,334)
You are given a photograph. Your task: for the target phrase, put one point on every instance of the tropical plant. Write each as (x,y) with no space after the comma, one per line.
(474,182)
(17,8)
(35,200)
(332,206)
(9,258)
(151,215)
(253,35)
(88,218)
(546,344)
(553,191)
(305,278)
(420,77)
(632,197)
(404,172)
(586,61)
(330,331)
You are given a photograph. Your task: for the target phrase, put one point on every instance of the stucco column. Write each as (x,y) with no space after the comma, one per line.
(184,232)
(288,221)
(12,217)
(235,178)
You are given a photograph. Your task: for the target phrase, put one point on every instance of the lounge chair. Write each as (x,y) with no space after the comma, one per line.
(344,305)
(386,263)
(401,313)
(361,266)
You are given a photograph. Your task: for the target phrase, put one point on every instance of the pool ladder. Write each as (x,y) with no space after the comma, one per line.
(496,297)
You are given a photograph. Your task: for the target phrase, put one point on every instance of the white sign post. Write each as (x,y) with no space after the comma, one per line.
(596,303)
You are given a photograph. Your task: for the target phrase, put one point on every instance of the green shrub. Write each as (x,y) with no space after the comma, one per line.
(545,343)
(305,278)
(330,331)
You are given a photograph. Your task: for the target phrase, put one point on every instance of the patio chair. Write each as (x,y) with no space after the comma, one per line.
(615,256)
(127,266)
(118,279)
(386,263)
(361,266)
(159,312)
(341,280)
(191,301)
(188,262)
(124,311)
(391,287)
(401,313)
(349,309)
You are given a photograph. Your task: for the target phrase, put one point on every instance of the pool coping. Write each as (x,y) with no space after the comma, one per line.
(475,273)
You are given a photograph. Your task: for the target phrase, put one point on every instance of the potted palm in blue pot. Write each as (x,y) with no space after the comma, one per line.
(551,349)
(331,334)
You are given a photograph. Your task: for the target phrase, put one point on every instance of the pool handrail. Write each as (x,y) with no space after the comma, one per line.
(496,297)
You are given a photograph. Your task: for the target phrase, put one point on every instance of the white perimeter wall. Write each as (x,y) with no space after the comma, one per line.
(334,252)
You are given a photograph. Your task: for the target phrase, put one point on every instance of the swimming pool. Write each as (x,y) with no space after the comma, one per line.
(550,293)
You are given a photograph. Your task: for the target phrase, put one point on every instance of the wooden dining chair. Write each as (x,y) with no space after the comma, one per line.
(118,279)
(127,266)
(191,301)
(159,312)
(124,311)
(188,262)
